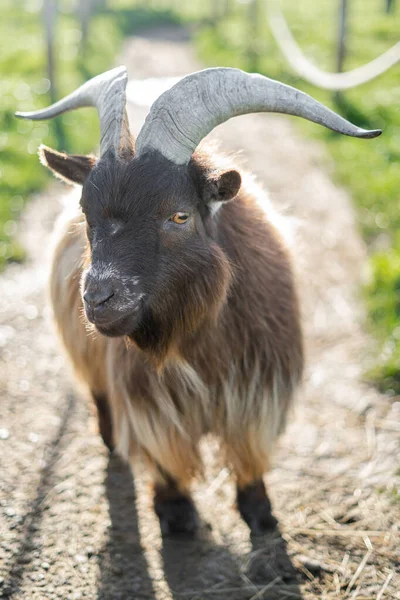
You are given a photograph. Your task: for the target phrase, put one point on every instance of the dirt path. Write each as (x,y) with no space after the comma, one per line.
(73,524)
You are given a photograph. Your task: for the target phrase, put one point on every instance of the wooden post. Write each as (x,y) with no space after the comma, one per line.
(84,13)
(215,11)
(341,47)
(220,9)
(227,7)
(85,10)
(253,33)
(49,18)
(390,6)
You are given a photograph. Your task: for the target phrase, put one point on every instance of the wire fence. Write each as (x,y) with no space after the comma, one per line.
(310,72)
(255,13)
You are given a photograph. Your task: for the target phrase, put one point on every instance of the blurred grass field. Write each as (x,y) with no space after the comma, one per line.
(25,86)
(370,170)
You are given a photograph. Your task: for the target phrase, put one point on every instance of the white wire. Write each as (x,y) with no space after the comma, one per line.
(306,69)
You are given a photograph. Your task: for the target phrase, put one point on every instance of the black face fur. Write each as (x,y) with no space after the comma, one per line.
(156,270)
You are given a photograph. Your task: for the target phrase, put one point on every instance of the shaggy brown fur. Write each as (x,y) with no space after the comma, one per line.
(221,351)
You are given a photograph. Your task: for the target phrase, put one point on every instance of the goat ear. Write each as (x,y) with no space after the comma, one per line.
(222,187)
(71,168)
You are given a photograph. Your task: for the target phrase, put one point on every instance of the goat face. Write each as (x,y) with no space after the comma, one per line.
(156,271)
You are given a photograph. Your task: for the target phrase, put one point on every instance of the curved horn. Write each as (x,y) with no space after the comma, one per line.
(181,117)
(106,92)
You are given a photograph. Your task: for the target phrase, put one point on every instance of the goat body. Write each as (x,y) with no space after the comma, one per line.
(230,367)
(196,323)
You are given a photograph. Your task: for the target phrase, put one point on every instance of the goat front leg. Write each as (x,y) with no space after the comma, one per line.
(173,506)
(249,462)
(255,507)
(172,499)
(104,419)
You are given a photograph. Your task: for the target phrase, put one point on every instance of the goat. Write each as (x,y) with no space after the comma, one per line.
(173,290)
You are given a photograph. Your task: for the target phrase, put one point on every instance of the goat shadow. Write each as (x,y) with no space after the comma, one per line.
(199,568)
(31,521)
(122,564)
(192,566)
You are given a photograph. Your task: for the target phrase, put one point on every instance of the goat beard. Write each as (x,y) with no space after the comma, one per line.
(171,321)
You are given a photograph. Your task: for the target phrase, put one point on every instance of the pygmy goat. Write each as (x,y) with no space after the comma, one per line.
(173,290)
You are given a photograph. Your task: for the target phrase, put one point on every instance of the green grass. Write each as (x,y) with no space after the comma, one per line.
(369,169)
(24,86)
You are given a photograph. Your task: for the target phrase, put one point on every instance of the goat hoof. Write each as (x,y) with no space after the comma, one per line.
(177,514)
(255,508)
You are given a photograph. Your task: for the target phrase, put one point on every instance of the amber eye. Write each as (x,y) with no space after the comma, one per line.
(179,217)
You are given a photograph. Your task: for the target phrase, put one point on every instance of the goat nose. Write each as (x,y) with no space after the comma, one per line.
(98,296)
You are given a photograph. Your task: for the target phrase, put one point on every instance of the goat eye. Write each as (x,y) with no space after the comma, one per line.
(179,217)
